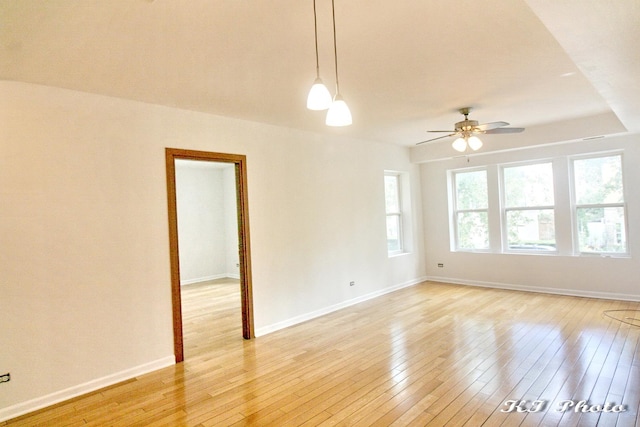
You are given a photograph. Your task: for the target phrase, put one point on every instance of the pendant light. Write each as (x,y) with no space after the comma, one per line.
(338,114)
(319,97)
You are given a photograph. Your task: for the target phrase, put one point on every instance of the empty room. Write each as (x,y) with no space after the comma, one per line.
(319,212)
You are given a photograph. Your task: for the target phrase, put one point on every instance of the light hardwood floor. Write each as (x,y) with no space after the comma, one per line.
(431,354)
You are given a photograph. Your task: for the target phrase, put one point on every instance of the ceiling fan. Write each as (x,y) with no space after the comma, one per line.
(466,130)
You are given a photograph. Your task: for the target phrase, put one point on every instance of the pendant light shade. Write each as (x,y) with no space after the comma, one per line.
(338,114)
(319,97)
(459,145)
(474,143)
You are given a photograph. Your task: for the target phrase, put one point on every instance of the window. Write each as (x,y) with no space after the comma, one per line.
(528,222)
(599,213)
(393,204)
(561,206)
(471,210)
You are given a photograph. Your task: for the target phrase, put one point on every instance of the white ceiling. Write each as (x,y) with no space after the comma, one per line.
(404,66)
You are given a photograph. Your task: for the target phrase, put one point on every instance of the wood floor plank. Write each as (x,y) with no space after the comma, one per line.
(432,354)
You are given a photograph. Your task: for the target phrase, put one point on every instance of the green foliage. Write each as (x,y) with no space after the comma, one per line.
(598,181)
(471,194)
(529,185)
(471,190)
(473,230)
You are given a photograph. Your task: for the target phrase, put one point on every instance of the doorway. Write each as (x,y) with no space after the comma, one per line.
(246,299)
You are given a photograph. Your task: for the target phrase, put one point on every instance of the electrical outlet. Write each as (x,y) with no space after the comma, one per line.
(5,378)
(441,265)
(352,283)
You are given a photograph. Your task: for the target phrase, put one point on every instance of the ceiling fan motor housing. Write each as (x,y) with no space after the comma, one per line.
(466,125)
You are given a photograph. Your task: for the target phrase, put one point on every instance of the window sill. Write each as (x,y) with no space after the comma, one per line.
(539,253)
(597,255)
(548,254)
(473,251)
(397,254)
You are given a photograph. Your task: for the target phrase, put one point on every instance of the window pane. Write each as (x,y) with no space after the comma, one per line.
(471,190)
(601,230)
(394,243)
(391,193)
(473,230)
(598,180)
(531,230)
(529,185)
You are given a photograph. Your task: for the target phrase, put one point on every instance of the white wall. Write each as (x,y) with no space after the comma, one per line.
(593,276)
(207,220)
(84,252)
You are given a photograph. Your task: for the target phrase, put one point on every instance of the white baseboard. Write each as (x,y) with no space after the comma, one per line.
(544,290)
(80,389)
(312,315)
(207,278)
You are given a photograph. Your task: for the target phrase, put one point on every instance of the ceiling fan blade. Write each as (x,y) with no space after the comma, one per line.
(434,139)
(505,130)
(439,131)
(492,125)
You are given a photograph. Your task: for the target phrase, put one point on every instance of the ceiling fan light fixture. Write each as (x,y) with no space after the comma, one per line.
(338,114)
(319,97)
(460,144)
(474,143)
(466,130)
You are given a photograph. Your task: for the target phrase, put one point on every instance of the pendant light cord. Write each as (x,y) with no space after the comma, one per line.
(335,48)
(315,27)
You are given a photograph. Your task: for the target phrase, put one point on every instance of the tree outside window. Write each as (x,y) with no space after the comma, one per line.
(529,216)
(599,205)
(393,207)
(471,215)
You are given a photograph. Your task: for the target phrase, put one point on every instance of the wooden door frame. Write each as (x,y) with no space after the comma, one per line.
(246,295)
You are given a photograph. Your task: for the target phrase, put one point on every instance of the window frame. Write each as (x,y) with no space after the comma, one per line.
(455,211)
(504,210)
(575,206)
